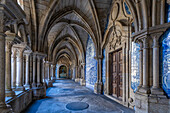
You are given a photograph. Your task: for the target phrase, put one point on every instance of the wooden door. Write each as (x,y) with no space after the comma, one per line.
(117,74)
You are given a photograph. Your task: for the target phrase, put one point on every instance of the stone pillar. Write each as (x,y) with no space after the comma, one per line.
(156,88)
(2,71)
(34,70)
(38,71)
(141,65)
(77,72)
(14,67)
(19,82)
(43,71)
(145,88)
(27,78)
(9,42)
(98,85)
(82,80)
(53,72)
(31,69)
(4,108)
(49,82)
(49,71)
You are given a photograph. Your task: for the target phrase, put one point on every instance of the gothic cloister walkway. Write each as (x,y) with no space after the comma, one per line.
(67,91)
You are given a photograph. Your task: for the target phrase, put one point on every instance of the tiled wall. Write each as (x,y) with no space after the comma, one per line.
(104,67)
(165,62)
(135,56)
(91,63)
(168,12)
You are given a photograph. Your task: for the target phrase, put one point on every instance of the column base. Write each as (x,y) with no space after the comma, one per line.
(6,109)
(39,85)
(145,90)
(82,82)
(39,92)
(157,91)
(20,88)
(53,79)
(27,86)
(150,104)
(34,85)
(13,88)
(77,80)
(9,93)
(98,88)
(49,83)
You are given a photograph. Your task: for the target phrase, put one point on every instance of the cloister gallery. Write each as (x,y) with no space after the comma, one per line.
(92,56)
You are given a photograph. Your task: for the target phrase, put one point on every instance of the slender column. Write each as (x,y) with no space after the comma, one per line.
(83,71)
(76,72)
(156,88)
(9,43)
(14,67)
(155,63)
(99,69)
(19,82)
(51,71)
(2,71)
(27,78)
(146,66)
(49,74)
(43,71)
(141,65)
(38,71)
(34,70)
(48,67)
(31,65)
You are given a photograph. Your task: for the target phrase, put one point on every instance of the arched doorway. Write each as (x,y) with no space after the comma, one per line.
(63,72)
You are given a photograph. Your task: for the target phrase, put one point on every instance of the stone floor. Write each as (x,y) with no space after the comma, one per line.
(67,91)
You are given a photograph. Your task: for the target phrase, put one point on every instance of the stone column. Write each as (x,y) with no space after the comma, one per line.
(38,71)
(31,69)
(49,71)
(27,78)
(145,87)
(19,82)
(49,82)
(9,42)
(53,73)
(156,88)
(77,72)
(43,71)
(82,80)
(98,85)
(34,70)
(14,67)
(2,71)
(141,65)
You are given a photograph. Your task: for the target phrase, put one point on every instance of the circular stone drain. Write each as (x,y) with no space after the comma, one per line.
(77,106)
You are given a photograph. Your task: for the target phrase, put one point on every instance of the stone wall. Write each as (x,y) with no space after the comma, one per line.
(21,101)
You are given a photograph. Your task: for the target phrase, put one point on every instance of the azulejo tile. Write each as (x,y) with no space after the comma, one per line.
(91,63)
(135,56)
